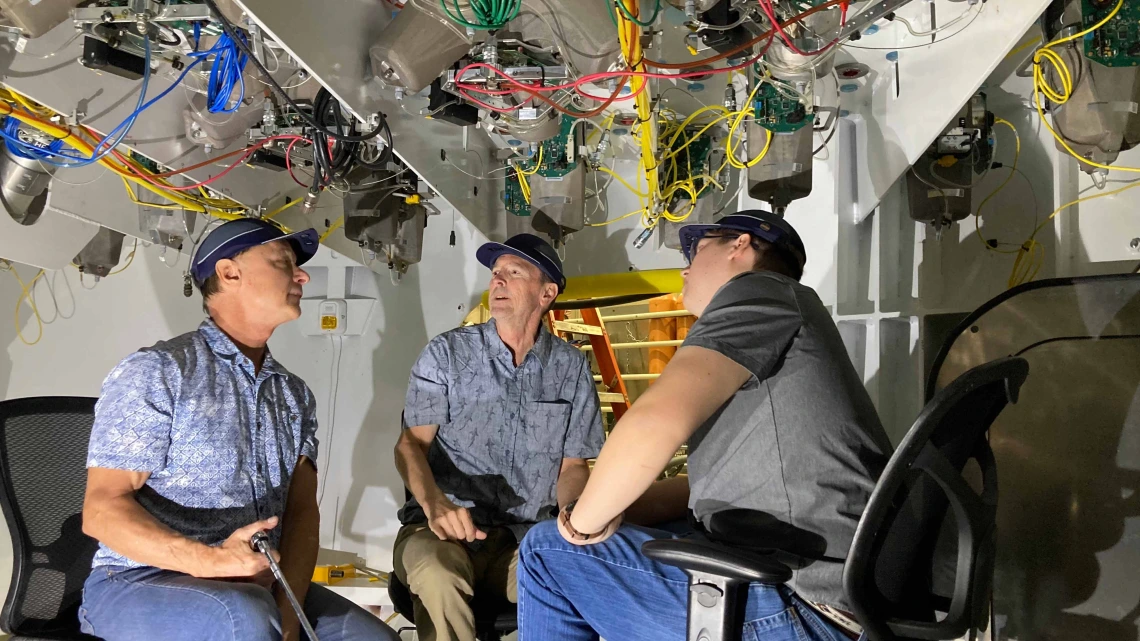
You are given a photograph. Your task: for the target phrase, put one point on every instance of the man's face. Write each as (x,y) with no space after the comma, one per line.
(712,266)
(271,281)
(517,288)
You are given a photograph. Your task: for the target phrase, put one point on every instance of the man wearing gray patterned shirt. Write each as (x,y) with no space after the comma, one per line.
(498,423)
(198,443)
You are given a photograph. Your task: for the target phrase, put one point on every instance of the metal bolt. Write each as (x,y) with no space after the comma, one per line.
(1135,244)
(140,26)
(108,17)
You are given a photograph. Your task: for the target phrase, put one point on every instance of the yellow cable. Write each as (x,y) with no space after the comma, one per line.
(130,259)
(623,181)
(610,222)
(333,227)
(282,208)
(74,141)
(732,159)
(1065,77)
(1031,243)
(987,199)
(1023,47)
(26,296)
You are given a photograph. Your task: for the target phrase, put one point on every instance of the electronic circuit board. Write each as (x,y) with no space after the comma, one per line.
(555,164)
(777,113)
(513,198)
(693,159)
(555,159)
(1117,43)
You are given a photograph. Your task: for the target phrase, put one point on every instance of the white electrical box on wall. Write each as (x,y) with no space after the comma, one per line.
(332,315)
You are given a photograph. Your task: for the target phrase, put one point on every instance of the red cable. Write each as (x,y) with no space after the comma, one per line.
(289,162)
(247,153)
(770,11)
(577,85)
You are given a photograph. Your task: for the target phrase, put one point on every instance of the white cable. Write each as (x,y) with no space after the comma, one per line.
(337,343)
(57,51)
(920,34)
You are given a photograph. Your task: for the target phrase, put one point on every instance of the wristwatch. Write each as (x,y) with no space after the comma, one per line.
(564,518)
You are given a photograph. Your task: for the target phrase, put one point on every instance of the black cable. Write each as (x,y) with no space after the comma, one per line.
(231,31)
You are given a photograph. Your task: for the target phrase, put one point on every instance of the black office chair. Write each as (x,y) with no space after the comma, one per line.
(492,620)
(904,578)
(43,461)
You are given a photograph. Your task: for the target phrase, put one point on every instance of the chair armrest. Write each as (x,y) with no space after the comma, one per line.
(719,560)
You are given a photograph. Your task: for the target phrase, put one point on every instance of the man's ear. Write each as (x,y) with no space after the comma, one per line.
(229,273)
(549,293)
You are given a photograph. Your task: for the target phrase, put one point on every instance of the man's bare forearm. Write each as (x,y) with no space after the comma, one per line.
(300,542)
(572,480)
(120,523)
(412,463)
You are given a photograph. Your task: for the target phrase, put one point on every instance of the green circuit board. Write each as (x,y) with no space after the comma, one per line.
(777,113)
(555,158)
(693,160)
(513,197)
(1117,43)
(556,163)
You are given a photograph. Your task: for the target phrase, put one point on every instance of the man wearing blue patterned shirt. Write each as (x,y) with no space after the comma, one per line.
(498,423)
(200,442)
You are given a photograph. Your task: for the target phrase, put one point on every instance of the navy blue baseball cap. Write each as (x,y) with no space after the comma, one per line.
(531,248)
(760,224)
(244,233)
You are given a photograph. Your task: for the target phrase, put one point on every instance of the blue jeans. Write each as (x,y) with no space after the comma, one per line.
(611,589)
(148,604)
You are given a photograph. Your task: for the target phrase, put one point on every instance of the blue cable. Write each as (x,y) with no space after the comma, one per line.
(125,126)
(11,131)
(226,73)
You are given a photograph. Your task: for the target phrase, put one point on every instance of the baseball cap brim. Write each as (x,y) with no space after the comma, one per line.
(305,245)
(490,252)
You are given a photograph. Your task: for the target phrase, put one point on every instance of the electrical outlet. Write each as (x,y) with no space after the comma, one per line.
(333,316)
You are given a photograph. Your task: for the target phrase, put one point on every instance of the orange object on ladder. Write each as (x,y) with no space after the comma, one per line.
(593,327)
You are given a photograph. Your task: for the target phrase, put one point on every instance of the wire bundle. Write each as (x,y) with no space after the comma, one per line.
(226,73)
(490,15)
(31,152)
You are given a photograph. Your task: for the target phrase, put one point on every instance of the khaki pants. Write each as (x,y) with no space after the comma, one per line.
(444,575)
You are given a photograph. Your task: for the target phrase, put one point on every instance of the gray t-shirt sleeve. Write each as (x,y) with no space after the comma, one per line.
(752,320)
(426,402)
(585,434)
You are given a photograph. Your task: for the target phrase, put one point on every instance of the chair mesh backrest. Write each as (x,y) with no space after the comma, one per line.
(924,547)
(43,451)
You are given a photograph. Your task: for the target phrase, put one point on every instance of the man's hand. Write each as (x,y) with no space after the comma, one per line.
(235,557)
(450,522)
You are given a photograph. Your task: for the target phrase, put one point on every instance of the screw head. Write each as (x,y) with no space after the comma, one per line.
(1135,244)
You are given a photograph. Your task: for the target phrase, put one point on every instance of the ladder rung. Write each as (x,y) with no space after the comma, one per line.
(618,318)
(632,377)
(639,345)
(577,328)
(611,397)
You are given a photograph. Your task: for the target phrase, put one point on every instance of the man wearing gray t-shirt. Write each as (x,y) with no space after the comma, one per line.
(785,448)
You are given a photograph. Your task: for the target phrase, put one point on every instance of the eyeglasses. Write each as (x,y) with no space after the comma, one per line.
(696,245)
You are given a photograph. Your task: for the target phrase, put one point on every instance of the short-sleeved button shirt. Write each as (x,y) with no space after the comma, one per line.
(219,440)
(800,444)
(503,430)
